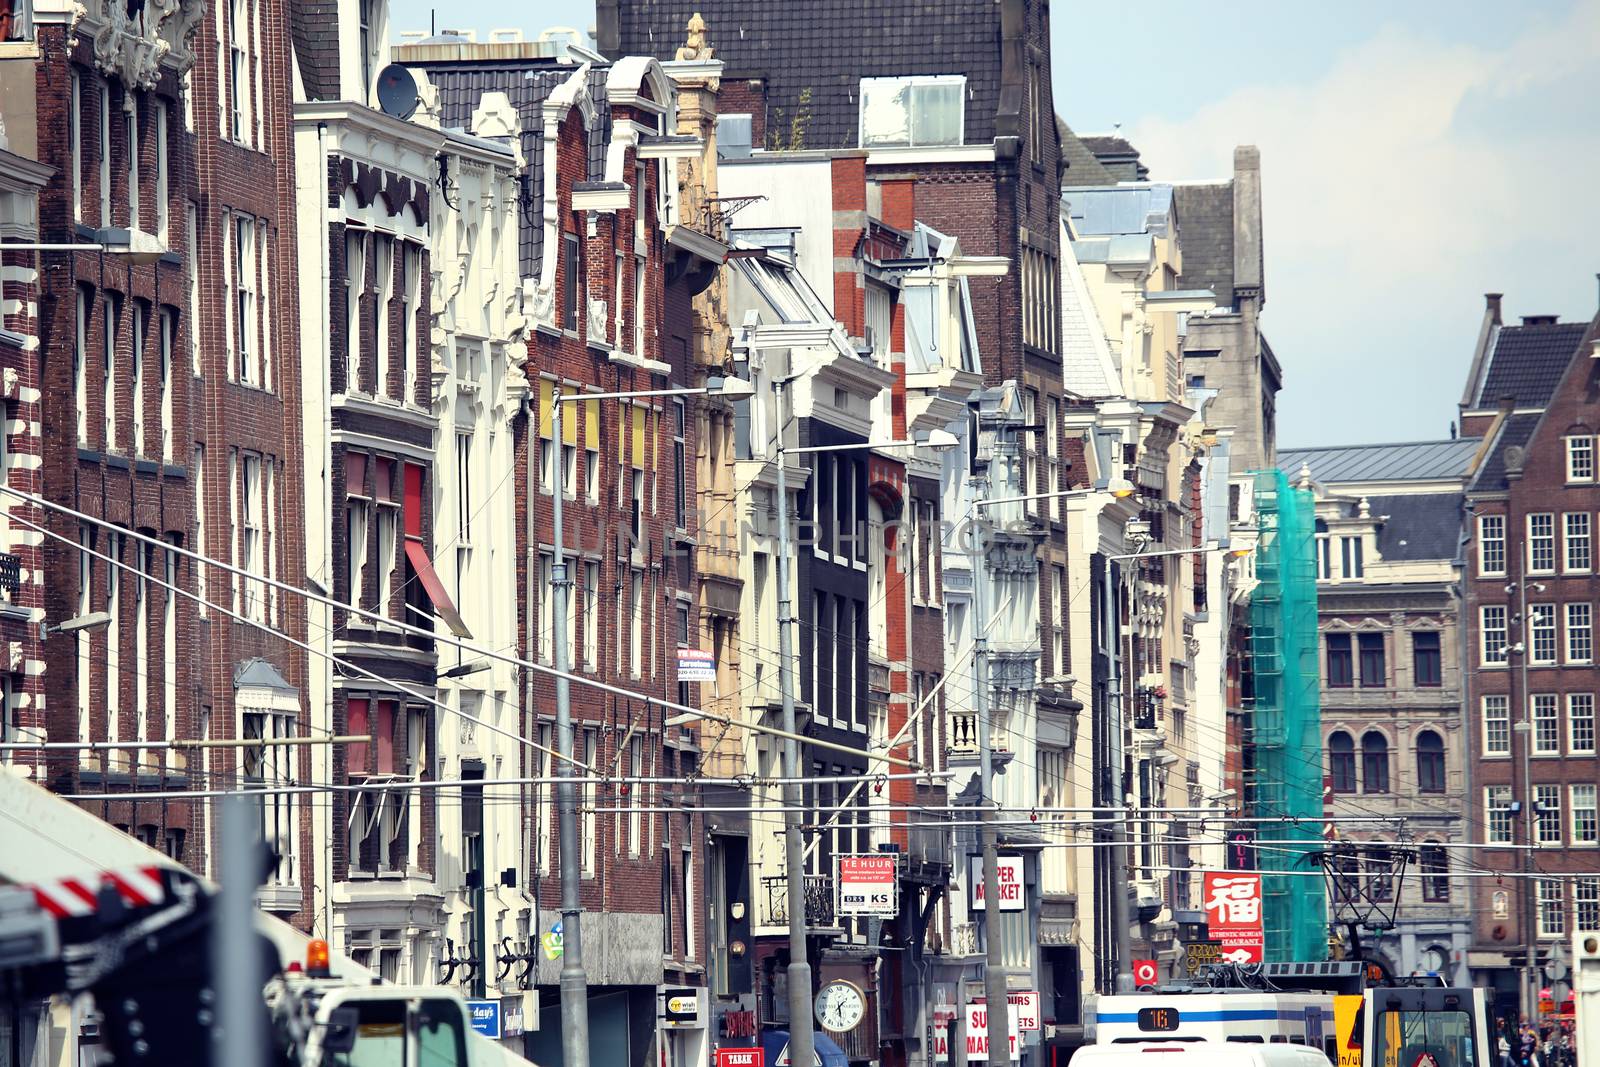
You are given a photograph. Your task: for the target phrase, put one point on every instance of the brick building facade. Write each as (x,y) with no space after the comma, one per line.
(1530,601)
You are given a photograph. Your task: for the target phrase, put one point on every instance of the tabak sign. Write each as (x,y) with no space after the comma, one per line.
(1233,915)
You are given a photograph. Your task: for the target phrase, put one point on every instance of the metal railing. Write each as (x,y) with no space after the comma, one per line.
(818,896)
(10,572)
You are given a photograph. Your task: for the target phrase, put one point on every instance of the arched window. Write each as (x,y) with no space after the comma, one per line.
(1435,872)
(1342,762)
(1430,762)
(1374,763)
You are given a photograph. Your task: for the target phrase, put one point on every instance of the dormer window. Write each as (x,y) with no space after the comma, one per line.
(917,111)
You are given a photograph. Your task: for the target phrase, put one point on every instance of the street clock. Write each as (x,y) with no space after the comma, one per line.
(841,1006)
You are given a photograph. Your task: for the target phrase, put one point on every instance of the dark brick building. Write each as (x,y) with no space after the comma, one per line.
(1531,593)
(169,412)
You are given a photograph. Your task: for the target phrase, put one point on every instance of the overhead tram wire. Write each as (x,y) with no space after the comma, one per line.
(409,628)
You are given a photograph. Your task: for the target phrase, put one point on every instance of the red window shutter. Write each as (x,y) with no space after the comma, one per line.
(385,734)
(385,487)
(355,473)
(356,752)
(413,502)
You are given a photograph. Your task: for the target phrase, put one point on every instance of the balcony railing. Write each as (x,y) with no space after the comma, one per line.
(818,897)
(963,735)
(10,572)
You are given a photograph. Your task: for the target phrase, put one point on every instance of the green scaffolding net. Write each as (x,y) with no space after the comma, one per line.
(1286,722)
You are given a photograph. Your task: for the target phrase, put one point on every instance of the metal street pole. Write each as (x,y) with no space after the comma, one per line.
(574,980)
(994,978)
(1530,995)
(802,1050)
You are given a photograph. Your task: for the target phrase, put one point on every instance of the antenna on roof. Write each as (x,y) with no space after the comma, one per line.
(397,91)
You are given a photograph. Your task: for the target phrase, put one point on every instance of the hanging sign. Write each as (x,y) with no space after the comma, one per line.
(696,666)
(1233,915)
(866,885)
(1013,894)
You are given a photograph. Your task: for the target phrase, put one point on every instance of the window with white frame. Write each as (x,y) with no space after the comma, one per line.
(162,191)
(680,482)
(1547,814)
(591,615)
(1546,724)
(1586,903)
(105,154)
(1577,555)
(1030,452)
(1492,635)
(1542,632)
(1497,811)
(636,612)
(589,823)
(87,536)
(1585,817)
(141,648)
(915,111)
(269,535)
(1491,545)
(80,363)
(263,362)
(1052,454)
(547,607)
(1580,458)
(244,298)
(358,516)
(1496,725)
(239,87)
(1552,908)
(410,291)
(387,510)
(200,528)
(251,536)
(419,766)
(130,155)
(635,793)
(545,828)
(116,543)
(141,328)
(1351,558)
(1580,723)
(110,324)
(168,339)
(1541,543)
(1580,632)
(355,283)
(75,143)
(268,716)
(191,264)
(1058,608)
(169,652)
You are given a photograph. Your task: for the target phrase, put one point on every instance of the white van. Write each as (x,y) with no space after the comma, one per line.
(1191,1053)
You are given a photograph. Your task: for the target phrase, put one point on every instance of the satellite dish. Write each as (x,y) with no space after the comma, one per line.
(397,91)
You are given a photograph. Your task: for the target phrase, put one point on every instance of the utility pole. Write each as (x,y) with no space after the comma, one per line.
(1530,986)
(802,1051)
(574,980)
(994,978)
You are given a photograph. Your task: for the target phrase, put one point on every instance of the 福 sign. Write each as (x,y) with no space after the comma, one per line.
(866,886)
(1013,894)
(1233,915)
(696,666)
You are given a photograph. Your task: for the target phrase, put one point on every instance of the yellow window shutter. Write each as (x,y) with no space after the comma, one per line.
(569,418)
(638,436)
(591,425)
(547,395)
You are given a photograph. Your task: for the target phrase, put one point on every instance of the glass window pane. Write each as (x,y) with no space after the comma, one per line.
(885,112)
(936,115)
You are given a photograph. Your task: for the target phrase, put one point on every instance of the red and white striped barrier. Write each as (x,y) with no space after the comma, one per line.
(71,898)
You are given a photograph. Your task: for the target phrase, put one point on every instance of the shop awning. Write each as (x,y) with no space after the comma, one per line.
(417,555)
(775,1043)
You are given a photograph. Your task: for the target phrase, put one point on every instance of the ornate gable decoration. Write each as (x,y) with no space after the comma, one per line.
(132,38)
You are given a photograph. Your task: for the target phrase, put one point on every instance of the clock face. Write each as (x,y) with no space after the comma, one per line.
(840,1006)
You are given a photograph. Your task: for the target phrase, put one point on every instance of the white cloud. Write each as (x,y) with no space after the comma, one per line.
(1398,187)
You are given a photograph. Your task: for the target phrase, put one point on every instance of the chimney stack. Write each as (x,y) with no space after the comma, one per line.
(1493,301)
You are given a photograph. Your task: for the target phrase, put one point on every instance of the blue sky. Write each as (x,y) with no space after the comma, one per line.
(1414,156)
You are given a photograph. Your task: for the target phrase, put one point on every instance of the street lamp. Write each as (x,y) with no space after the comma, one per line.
(138,247)
(574,978)
(95,620)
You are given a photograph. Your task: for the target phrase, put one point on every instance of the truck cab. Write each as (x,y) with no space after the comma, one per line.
(1426,1026)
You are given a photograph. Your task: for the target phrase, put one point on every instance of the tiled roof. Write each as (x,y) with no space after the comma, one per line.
(1420,525)
(1527,363)
(527,84)
(1082,166)
(1205,238)
(1117,156)
(827,47)
(1087,366)
(1410,461)
(1108,144)
(1514,433)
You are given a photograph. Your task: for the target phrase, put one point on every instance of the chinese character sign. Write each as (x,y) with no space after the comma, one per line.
(1233,914)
